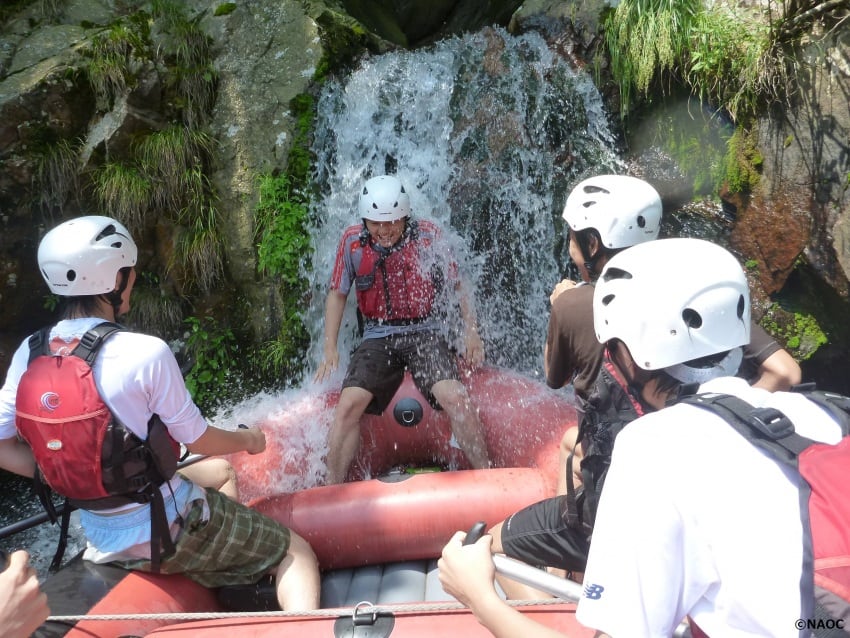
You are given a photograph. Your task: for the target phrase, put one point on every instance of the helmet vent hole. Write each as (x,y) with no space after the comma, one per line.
(607,299)
(742,305)
(616,273)
(71,275)
(691,318)
(641,221)
(374,205)
(107,230)
(592,188)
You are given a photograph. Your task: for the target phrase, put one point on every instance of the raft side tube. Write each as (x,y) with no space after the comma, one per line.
(374,521)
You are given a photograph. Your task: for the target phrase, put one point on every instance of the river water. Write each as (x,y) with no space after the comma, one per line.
(489,132)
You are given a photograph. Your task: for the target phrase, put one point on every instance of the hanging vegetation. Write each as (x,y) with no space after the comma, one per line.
(735,58)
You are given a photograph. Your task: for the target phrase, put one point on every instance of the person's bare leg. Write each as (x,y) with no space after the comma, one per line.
(344,437)
(454,399)
(215,473)
(298,582)
(513,590)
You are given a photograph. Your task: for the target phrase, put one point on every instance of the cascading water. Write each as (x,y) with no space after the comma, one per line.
(489,132)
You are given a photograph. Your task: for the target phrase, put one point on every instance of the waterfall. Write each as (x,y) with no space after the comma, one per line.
(489,132)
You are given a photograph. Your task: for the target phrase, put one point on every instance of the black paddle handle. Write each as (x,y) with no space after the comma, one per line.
(475,532)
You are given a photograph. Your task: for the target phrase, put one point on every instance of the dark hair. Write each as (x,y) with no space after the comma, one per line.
(583,237)
(86,305)
(666,384)
(80,306)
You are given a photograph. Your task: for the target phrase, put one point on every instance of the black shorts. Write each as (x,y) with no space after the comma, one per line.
(539,535)
(378,365)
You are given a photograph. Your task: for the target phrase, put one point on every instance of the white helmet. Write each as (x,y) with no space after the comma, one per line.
(82,256)
(672,301)
(624,210)
(383,199)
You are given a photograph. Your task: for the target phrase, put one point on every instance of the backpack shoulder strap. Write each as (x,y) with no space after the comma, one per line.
(767,428)
(91,341)
(38,343)
(837,405)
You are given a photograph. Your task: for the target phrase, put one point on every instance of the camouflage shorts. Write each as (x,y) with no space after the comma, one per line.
(237,546)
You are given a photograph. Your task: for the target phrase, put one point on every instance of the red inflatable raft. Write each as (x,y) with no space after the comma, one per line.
(376,536)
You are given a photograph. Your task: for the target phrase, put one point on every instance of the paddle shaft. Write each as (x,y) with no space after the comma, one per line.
(44,517)
(544,581)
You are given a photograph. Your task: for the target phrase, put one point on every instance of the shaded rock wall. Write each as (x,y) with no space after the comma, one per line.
(266,52)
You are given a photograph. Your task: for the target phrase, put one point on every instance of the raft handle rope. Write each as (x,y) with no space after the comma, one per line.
(339,612)
(564,591)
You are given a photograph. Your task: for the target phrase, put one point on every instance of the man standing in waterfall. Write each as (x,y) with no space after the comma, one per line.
(399,268)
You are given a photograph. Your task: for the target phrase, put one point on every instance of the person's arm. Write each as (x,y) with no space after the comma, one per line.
(560,288)
(766,364)
(570,317)
(334,309)
(467,572)
(779,371)
(23,606)
(215,441)
(16,456)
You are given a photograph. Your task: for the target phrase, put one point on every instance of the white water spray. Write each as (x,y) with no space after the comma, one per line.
(488,132)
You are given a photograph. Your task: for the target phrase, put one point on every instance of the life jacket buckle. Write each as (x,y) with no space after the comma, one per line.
(771,423)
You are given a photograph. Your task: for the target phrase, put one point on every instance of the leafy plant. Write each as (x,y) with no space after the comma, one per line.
(124,191)
(735,58)
(213,353)
(282,248)
(173,158)
(113,54)
(743,162)
(153,310)
(225,9)
(57,175)
(799,330)
(647,39)
(200,244)
(281,221)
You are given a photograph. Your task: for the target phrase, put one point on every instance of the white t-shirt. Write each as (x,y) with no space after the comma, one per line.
(695,520)
(137,376)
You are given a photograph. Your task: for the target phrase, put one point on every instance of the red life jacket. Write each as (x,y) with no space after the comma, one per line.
(82,451)
(824,498)
(392,284)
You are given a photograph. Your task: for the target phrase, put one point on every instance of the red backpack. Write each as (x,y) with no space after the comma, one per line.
(824,496)
(82,451)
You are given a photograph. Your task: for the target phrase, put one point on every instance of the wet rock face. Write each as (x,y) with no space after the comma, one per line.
(266,53)
(42,101)
(773,233)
